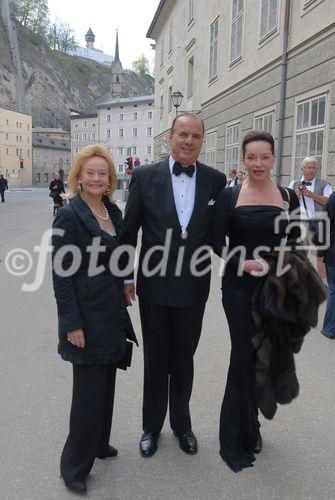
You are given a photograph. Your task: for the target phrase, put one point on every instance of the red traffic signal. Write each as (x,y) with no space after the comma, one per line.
(21,162)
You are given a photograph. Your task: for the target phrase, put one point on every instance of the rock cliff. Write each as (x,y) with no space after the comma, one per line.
(56,82)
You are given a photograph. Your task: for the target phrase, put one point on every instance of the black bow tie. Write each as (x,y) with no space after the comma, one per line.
(307,183)
(178,169)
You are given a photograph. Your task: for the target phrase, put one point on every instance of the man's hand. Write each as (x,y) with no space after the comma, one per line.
(129,293)
(77,338)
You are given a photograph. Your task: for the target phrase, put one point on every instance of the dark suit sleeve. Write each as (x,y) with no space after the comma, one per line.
(132,219)
(294,233)
(221,221)
(69,315)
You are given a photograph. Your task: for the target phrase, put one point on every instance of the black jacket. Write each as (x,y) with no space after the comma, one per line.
(94,303)
(151,207)
(319,238)
(3,184)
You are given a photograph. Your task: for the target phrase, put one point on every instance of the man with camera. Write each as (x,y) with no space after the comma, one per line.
(313,194)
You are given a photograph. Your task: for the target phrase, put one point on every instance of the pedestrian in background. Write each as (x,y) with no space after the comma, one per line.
(240,176)
(56,188)
(3,187)
(233,179)
(93,322)
(313,194)
(328,256)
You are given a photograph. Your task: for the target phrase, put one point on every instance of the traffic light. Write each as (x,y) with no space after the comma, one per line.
(21,162)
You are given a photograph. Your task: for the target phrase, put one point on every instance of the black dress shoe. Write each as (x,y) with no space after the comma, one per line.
(259,444)
(187,442)
(110,453)
(77,486)
(148,444)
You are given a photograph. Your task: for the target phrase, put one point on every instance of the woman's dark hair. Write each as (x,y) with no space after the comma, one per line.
(256,135)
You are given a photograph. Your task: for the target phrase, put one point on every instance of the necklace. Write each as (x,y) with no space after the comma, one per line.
(101,217)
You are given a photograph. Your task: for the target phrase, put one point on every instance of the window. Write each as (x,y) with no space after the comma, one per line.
(170,100)
(265,122)
(84,123)
(84,137)
(233,133)
(120,150)
(135,116)
(149,115)
(38,177)
(17,152)
(210,149)
(108,118)
(93,135)
(120,168)
(269,11)
(134,150)
(108,133)
(310,131)
(135,132)
(6,137)
(76,136)
(7,122)
(120,132)
(170,37)
(190,11)
(7,151)
(149,131)
(46,177)
(76,150)
(148,150)
(190,73)
(236,29)
(213,49)
(121,117)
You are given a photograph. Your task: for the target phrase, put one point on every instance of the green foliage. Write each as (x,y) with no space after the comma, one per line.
(33,14)
(141,65)
(60,36)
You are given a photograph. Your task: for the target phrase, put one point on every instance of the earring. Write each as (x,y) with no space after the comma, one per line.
(107,191)
(79,187)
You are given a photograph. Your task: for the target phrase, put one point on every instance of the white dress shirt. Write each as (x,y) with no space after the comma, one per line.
(327,191)
(183,188)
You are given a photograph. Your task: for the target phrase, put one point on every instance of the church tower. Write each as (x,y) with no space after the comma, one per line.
(90,38)
(117,71)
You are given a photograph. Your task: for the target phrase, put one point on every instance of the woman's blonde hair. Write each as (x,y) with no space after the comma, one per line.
(85,154)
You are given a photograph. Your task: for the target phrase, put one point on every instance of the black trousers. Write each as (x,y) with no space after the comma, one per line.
(90,419)
(2,193)
(170,339)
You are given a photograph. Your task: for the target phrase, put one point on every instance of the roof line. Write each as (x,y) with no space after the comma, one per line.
(156,16)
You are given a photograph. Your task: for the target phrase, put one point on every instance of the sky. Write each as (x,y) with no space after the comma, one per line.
(131,17)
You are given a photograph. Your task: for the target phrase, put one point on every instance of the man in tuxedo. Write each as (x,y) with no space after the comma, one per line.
(173,202)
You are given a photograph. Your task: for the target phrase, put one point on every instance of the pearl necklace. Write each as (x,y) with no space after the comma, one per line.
(101,217)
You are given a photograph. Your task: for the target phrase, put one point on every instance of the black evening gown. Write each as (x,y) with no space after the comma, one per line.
(249,226)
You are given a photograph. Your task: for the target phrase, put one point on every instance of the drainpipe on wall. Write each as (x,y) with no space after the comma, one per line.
(282,98)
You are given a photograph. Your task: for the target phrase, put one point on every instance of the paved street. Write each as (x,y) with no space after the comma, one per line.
(35,389)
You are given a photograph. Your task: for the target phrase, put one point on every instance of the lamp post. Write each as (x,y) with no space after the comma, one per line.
(176,98)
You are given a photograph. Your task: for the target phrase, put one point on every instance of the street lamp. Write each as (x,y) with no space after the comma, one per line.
(176,98)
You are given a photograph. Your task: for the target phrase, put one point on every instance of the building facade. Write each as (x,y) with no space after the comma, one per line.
(16,147)
(243,65)
(51,153)
(124,125)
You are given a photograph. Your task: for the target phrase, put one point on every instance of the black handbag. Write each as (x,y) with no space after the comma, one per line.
(53,194)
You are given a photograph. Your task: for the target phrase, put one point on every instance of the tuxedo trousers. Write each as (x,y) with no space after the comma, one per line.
(90,419)
(170,339)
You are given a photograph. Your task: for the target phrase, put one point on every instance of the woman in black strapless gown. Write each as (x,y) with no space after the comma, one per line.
(246,213)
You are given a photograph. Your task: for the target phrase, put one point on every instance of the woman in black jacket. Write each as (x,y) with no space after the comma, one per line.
(93,320)
(56,189)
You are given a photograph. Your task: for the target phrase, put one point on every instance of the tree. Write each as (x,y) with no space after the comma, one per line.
(141,65)
(60,36)
(33,14)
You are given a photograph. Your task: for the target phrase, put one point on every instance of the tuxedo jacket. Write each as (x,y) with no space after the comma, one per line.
(151,207)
